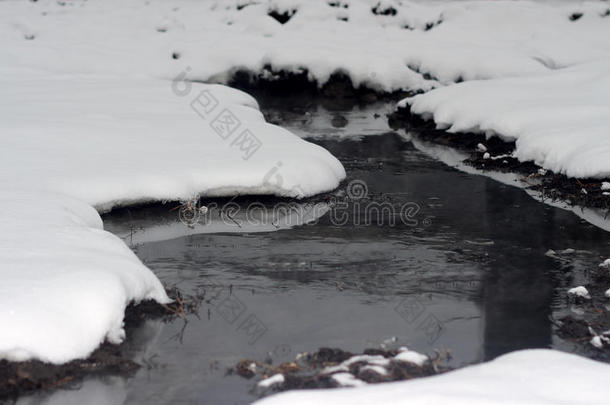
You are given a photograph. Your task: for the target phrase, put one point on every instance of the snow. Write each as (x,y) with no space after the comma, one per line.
(375,369)
(117,132)
(65,281)
(605,186)
(565,134)
(579,291)
(524,377)
(92,117)
(605,264)
(110,141)
(474,39)
(409,356)
(273,380)
(347,380)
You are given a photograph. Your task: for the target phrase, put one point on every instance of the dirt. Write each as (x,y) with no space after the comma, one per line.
(310,370)
(20,378)
(281,83)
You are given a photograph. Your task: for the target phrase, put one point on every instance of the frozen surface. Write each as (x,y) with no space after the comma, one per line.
(522,377)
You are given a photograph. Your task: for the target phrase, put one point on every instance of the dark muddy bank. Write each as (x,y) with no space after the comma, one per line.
(495,154)
(22,378)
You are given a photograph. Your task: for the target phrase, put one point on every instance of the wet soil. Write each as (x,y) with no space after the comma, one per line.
(494,154)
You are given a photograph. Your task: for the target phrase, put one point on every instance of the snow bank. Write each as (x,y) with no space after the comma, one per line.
(523,377)
(559,120)
(65,281)
(110,141)
(107,141)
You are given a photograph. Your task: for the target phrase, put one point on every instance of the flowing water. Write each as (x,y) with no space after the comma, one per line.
(409,252)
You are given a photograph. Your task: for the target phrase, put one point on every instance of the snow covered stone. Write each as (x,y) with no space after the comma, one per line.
(347,380)
(605,264)
(409,356)
(596,342)
(580,292)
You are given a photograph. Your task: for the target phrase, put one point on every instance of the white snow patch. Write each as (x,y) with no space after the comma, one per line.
(347,380)
(579,291)
(376,369)
(65,281)
(605,264)
(409,356)
(558,119)
(273,380)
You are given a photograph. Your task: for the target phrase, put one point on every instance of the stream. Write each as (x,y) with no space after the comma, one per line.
(408,252)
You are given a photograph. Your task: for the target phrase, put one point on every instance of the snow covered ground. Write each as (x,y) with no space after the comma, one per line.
(524,377)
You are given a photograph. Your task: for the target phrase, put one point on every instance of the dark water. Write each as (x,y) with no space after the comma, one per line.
(465,270)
